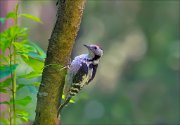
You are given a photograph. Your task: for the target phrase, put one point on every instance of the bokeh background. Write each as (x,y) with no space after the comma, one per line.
(138,77)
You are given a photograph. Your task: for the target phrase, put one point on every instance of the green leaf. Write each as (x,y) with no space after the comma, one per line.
(36,56)
(11,15)
(37,65)
(10,34)
(71,101)
(21,85)
(24,119)
(2,90)
(29,16)
(23,115)
(22,32)
(4,121)
(5,83)
(4,58)
(18,45)
(28,49)
(5,70)
(38,50)
(5,102)
(21,48)
(24,101)
(2,20)
(5,41)
(30,75)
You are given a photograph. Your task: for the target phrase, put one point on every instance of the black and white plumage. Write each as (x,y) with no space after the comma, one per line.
(81,72)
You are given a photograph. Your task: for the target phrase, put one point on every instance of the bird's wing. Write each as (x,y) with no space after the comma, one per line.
(94,67)
(83,71)
(77,68)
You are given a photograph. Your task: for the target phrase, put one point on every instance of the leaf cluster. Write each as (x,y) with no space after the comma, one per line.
(17,49)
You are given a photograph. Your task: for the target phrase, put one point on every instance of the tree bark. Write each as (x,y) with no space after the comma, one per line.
(60,46)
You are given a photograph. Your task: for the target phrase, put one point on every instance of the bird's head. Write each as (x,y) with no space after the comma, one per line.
(94,50)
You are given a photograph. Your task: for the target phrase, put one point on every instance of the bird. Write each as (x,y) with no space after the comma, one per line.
(81,72)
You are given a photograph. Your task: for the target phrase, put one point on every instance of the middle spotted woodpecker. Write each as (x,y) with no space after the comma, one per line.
(81,72)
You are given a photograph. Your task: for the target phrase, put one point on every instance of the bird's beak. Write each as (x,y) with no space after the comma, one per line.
(87,46)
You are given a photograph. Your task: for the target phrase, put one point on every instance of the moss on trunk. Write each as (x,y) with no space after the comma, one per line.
(60,46)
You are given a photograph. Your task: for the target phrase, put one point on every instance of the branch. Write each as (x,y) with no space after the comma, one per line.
(60,46)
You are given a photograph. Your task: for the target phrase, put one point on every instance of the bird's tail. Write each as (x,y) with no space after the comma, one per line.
(64,104)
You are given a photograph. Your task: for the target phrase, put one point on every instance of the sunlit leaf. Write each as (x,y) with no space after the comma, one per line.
(10,34)
(5,70)
(28,49)
(38,49)
(5,41)
(36,56)
(21,85)
(30,75)
(71,101)
(22,32)
(24,119)
(11,15)
(18,45)
(22,113)
(24,101)
(29,16)
(37,65)
(4,58)
(5,83)
(21,48)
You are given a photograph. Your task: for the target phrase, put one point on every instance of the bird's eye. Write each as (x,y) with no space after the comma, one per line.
(95,47)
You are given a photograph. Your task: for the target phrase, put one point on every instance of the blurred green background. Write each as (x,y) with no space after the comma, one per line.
(138,77)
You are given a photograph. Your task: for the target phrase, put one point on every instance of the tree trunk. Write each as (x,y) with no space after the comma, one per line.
(60,46)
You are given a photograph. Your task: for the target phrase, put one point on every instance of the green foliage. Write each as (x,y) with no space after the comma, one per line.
(8,36)
(2,20)
(5,70)
(24,101)
(22,115)
(14,40)
(71,101)
(4,85)
(30,75)
(11,15)
(31,17)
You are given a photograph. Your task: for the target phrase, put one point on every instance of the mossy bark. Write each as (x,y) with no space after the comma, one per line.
(60,46)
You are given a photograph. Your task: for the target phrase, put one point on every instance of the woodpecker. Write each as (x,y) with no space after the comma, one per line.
(81,72)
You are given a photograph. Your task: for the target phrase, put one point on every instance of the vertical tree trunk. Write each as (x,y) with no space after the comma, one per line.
(60,46)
